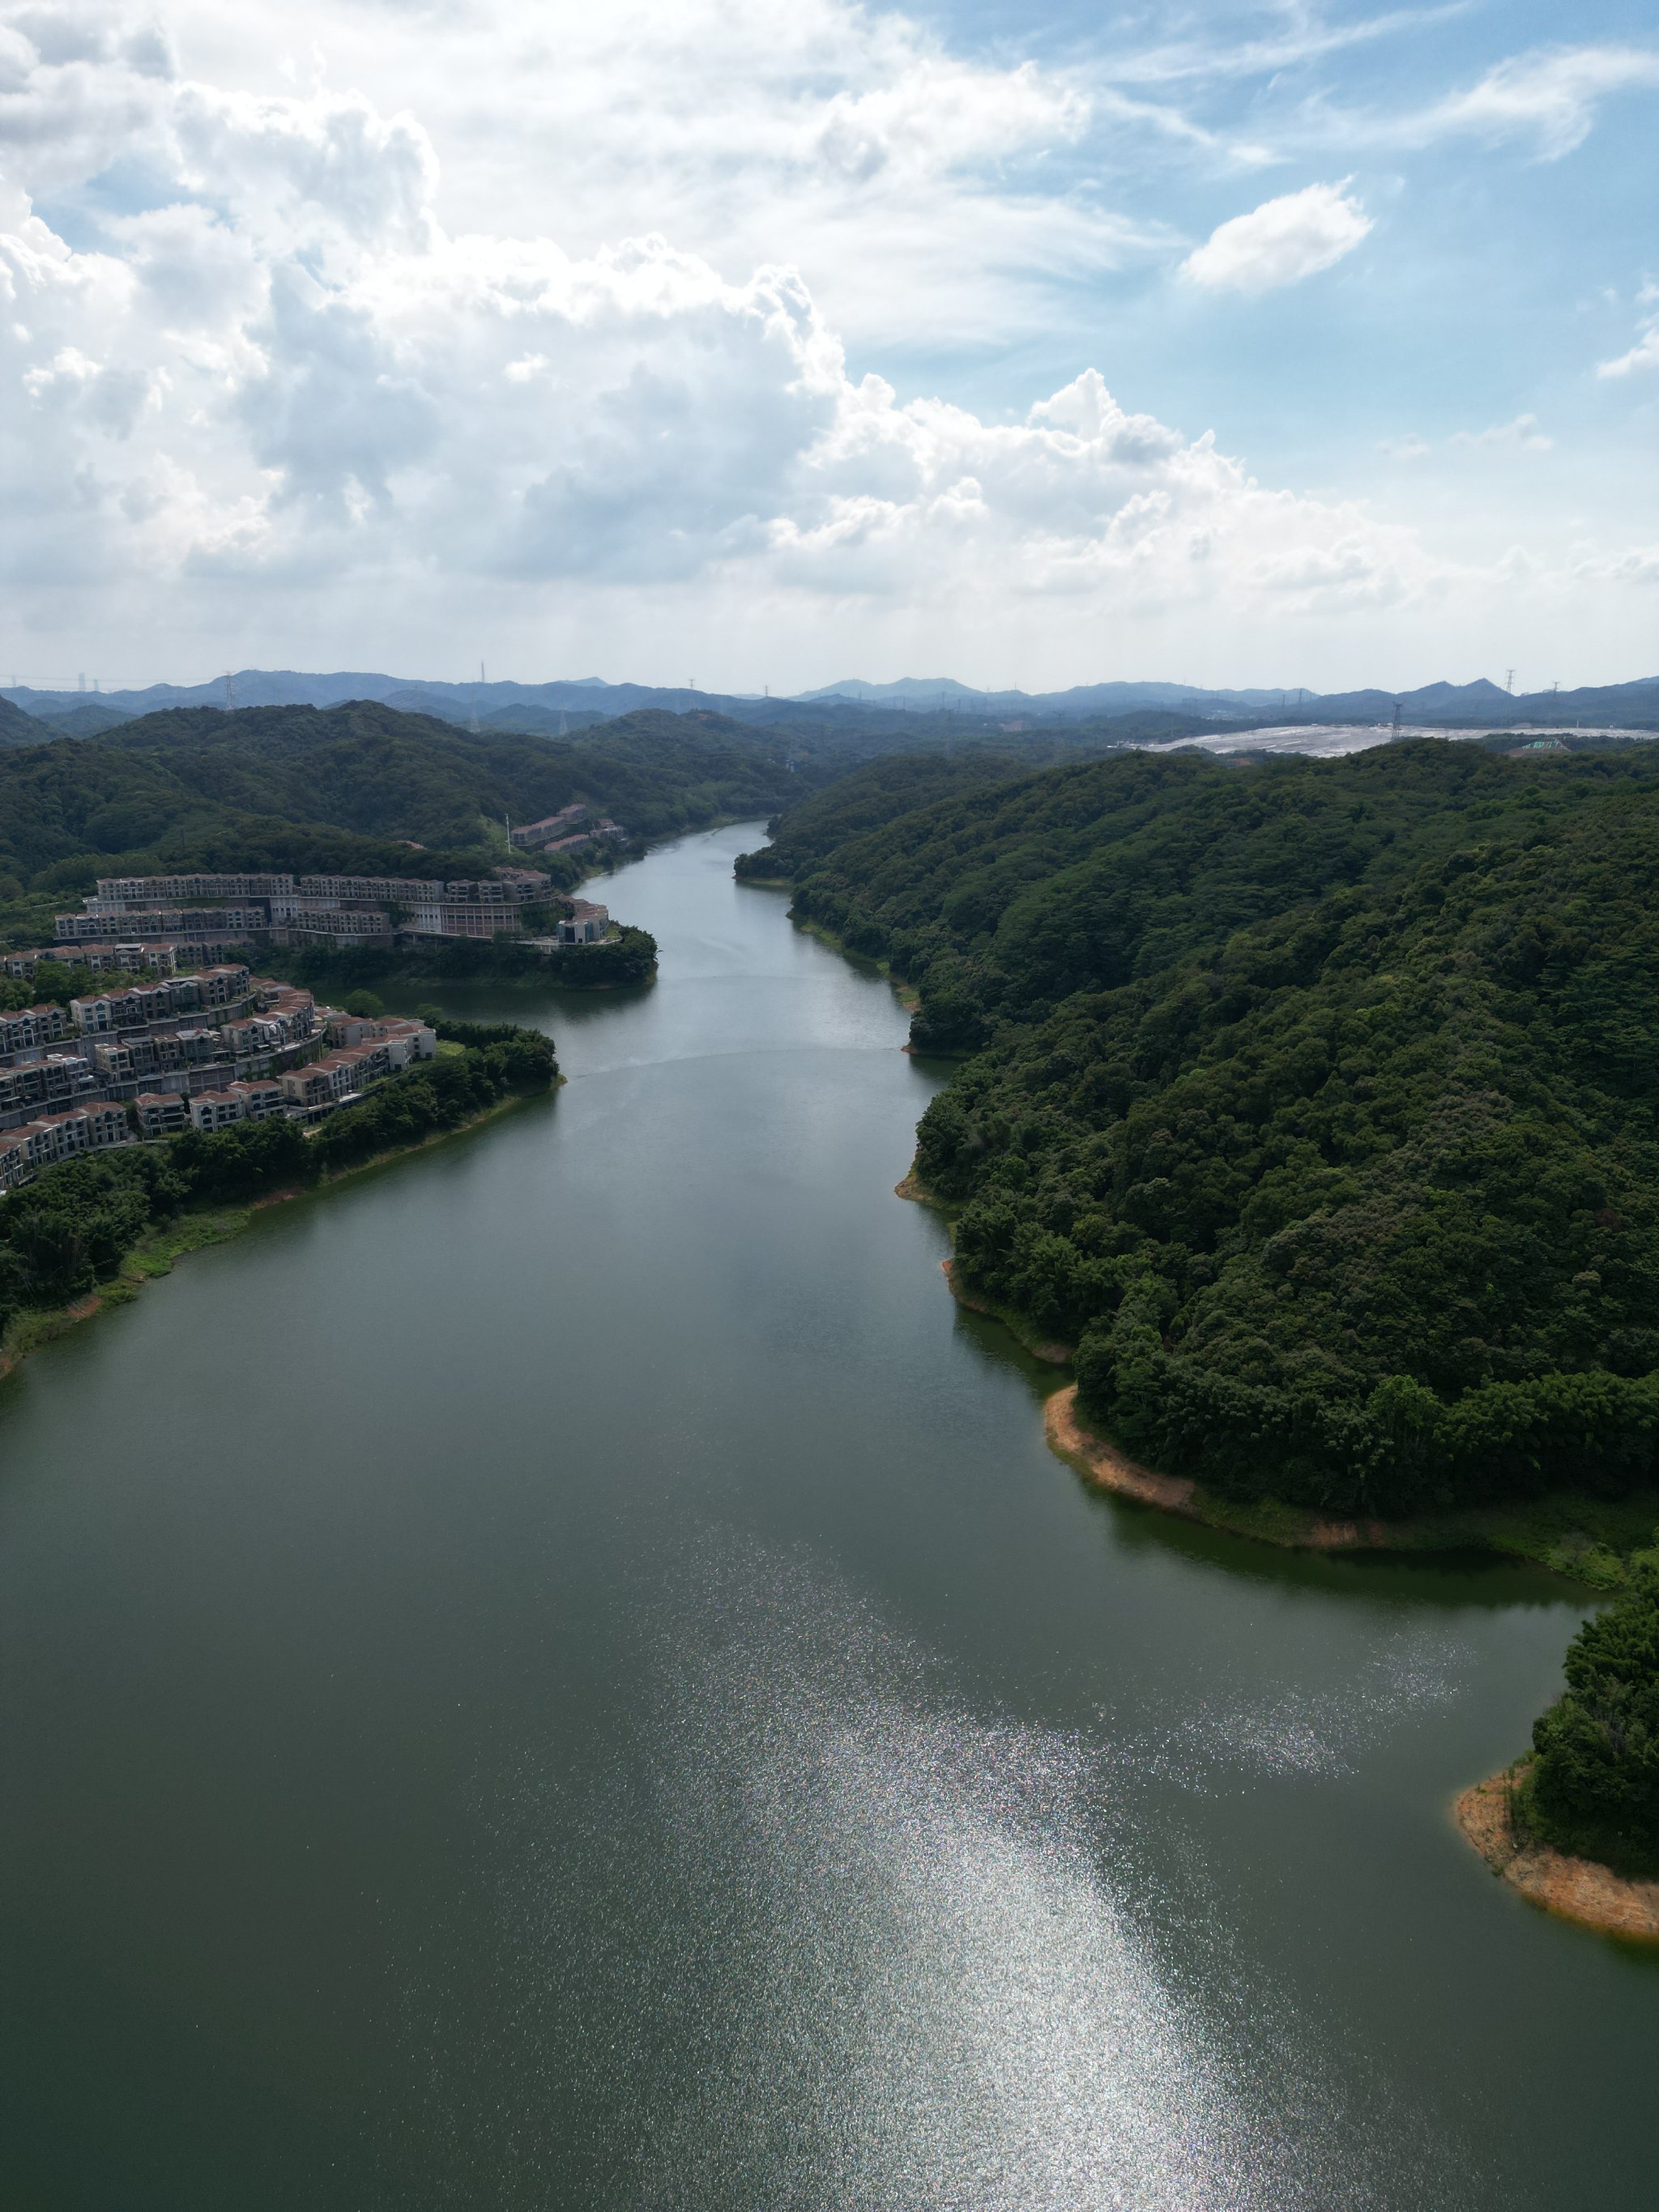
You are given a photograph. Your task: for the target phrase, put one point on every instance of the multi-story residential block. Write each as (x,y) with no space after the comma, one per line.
(407,1040)
(183,924)
(102,1013)
(116,891)
(468,920)
(47,1080)
(585,924)
(220,985)
(383,890)
(310,1086)
(156,1052)
(341,927)
(543,833)
(216,1110)
(141,953)
(24,1151)
(21,965)
(124,1059)
(31,1027)
(162,1113)
(260,1100)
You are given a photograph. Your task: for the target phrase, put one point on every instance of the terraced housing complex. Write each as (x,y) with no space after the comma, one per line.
(139,915)
(188,1051)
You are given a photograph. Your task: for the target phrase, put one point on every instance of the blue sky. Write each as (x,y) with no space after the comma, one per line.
(1289,344)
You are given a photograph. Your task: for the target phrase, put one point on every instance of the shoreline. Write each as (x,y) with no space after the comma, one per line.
(1553,1532)
(1504,1532)
(159,1250)
(1288,1526)
(907,993)
(1580,1890)
(1051,1351)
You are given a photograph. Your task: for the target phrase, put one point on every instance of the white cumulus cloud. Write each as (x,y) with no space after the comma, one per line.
(271,388)
(1281,241)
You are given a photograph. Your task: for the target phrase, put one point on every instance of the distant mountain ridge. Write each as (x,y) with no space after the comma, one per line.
(1481,704)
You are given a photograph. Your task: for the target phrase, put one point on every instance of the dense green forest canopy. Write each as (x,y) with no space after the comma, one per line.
(1594,1786)
(349,788)
(867,798)
(1315,1102)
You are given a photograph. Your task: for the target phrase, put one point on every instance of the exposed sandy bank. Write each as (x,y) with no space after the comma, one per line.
(1110,1469)
(1576,1889)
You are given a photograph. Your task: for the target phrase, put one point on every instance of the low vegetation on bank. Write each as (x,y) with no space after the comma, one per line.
(628,958)
(69,1232)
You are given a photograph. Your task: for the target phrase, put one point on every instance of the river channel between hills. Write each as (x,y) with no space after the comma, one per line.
(563,1673)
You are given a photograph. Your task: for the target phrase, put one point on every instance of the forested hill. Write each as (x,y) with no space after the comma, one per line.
(322,788)
(869,798)
(1316,1104)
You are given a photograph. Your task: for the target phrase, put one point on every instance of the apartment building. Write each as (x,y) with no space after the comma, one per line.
(162,1113)
(309,1087)
(480,922)
(260,1099)
(404,1039)
(50,1079)
(341,929)
(183,924)
(102,1013)
(221,986)
(365,1052)
(385,891)
(551,826)
(159,1052)
(239,1102)
(31,1027)
(216,1110)
(24,1151)
(585,924)
(115,892)
(142,912)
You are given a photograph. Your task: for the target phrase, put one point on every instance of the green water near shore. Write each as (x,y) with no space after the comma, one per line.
(565,1674)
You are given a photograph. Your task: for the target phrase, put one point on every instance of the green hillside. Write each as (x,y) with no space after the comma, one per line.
(1315,1102)
(868,799)
(17,728)
(349,787)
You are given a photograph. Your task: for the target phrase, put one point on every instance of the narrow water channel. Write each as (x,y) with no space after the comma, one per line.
(564,1675)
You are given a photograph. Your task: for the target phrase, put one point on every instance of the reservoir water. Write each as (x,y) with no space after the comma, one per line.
(564,1675)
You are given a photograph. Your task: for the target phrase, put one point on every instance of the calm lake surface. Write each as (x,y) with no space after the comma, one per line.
(565,1674)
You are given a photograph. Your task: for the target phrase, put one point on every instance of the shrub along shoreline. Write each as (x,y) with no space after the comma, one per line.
(629,958)
(1574,1825)
(88,1231)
